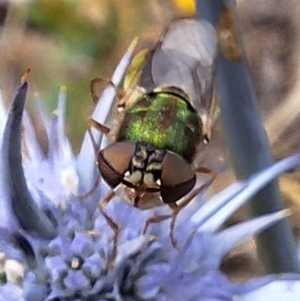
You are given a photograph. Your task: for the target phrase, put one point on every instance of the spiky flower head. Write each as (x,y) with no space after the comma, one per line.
(67,247)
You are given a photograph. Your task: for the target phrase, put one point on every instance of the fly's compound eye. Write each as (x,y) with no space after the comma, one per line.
(114,161)
(177,178)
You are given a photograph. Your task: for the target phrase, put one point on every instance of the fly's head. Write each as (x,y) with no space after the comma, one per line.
(145,176)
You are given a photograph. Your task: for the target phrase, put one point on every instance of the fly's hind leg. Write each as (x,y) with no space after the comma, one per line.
(112,224)
(183,202)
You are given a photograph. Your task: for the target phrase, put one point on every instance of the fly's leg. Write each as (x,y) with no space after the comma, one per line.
(107,198)
(104,130)
(97,86)
(183,202)
(112,224)
(99,127)
(124,97)
(155,220)
(188,198)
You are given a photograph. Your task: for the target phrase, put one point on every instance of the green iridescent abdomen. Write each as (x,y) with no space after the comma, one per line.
(165,120)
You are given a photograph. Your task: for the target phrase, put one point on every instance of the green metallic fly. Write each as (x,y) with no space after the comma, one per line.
(167,110)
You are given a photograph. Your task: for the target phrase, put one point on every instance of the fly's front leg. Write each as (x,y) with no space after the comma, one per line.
(184,201)
(180,204)
(161,218)
(112,224)
(155,220)
(105,131)
(199,187)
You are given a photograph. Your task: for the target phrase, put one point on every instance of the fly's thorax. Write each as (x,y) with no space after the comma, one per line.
(147,174)
(165,119)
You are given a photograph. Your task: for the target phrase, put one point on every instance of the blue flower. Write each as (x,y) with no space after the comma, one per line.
(52,226)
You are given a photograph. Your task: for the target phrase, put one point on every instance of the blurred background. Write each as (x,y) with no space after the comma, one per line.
(70,42)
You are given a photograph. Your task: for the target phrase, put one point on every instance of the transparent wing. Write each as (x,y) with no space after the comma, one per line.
(185,58)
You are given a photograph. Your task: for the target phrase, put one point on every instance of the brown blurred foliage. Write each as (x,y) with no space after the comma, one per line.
(69,43)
